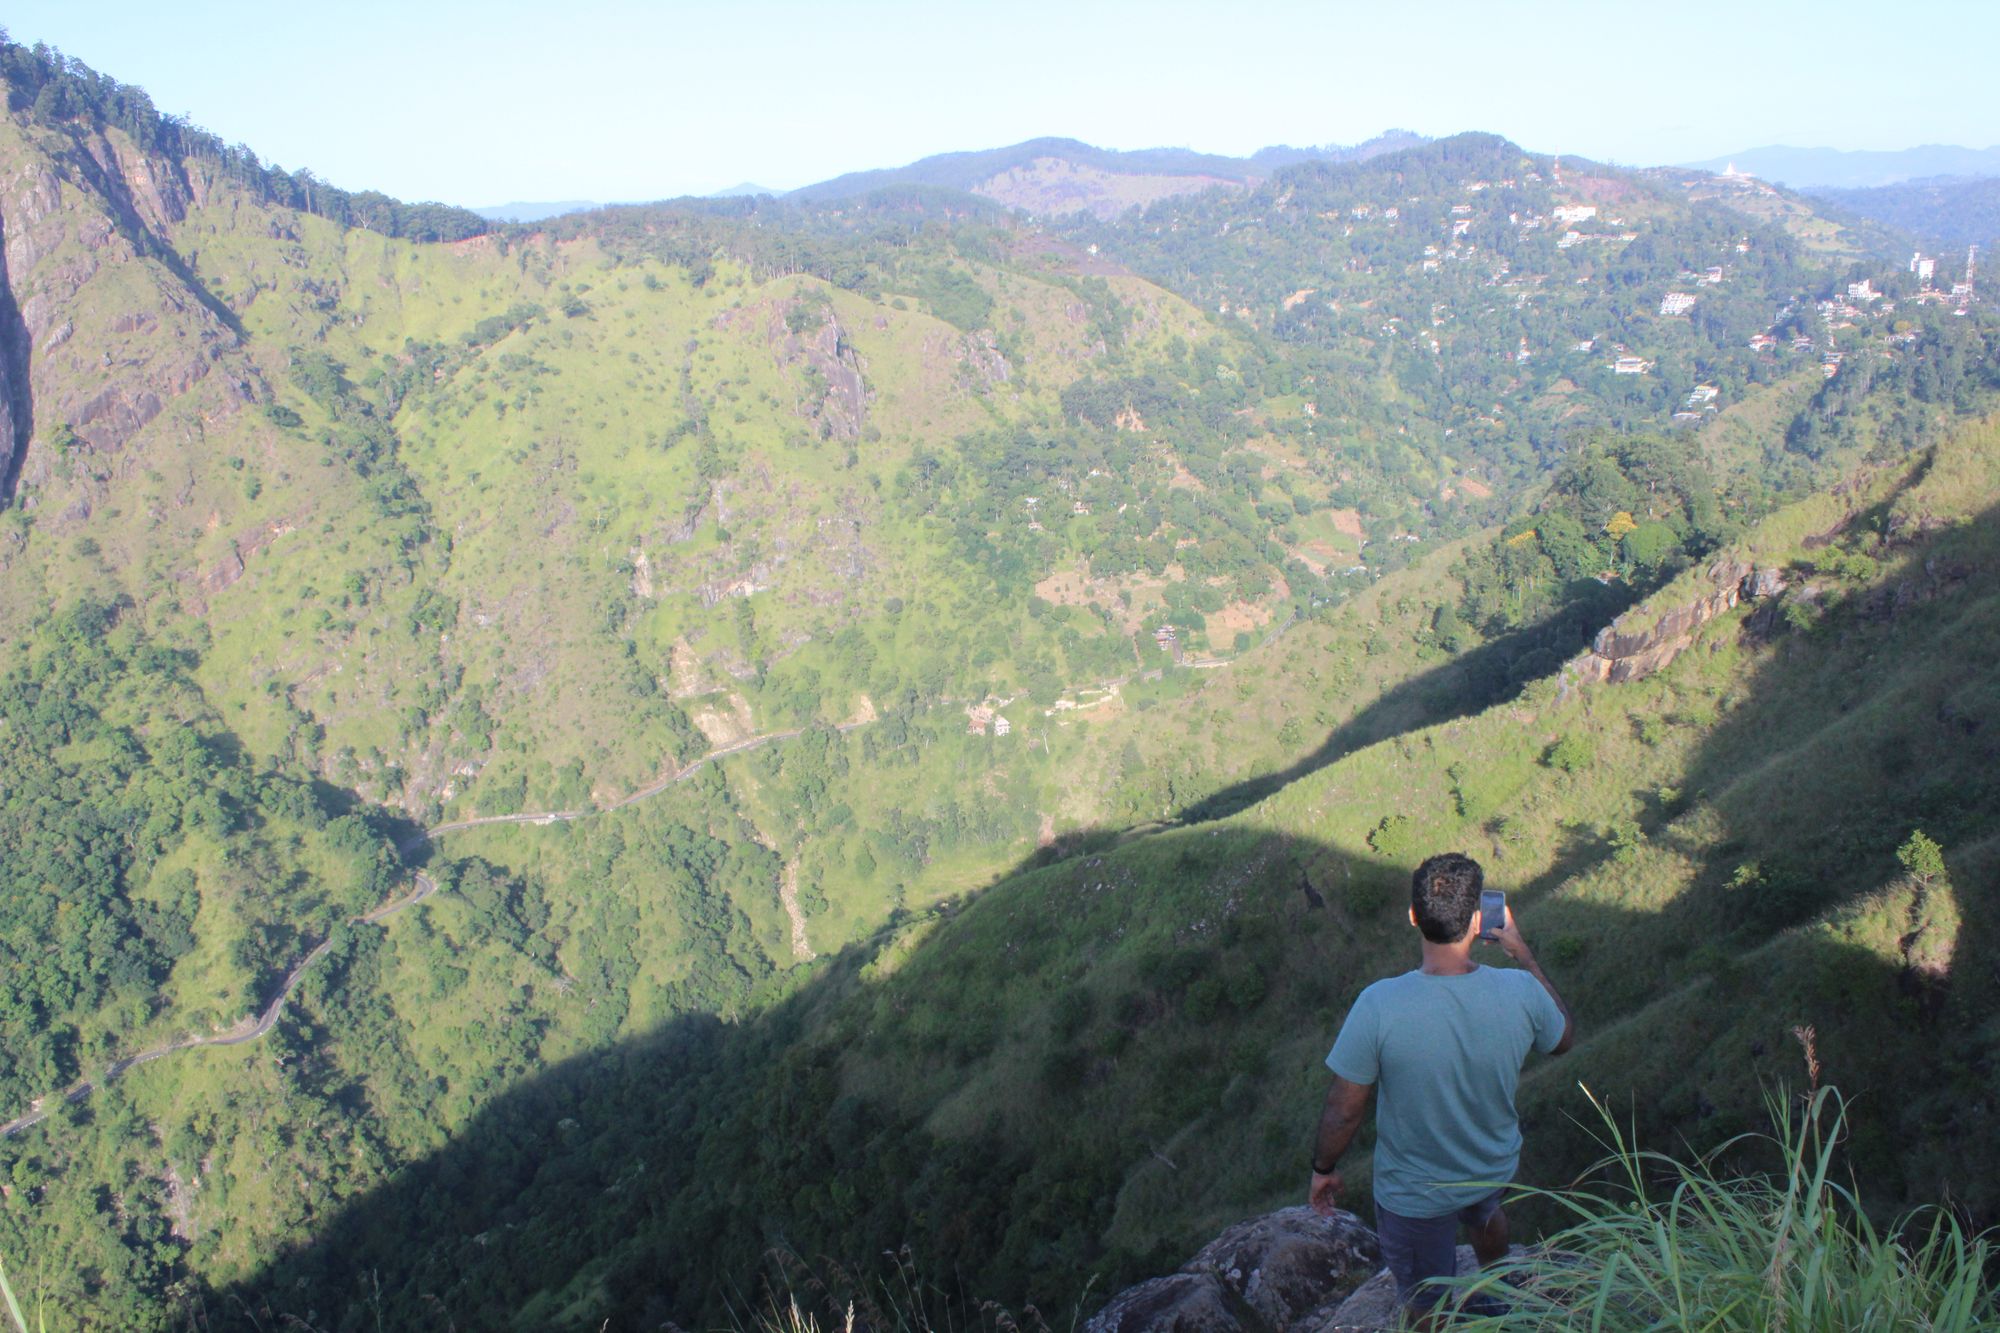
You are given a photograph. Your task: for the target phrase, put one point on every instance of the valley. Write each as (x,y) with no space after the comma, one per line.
(569,773)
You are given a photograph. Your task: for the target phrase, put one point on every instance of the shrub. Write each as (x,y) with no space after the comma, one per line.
(1573,752)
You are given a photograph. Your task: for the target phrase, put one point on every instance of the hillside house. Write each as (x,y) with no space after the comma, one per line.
(1001,726)
(1863,291)
(1762,342)
(1677,303)
(1701,394)
(1630,365)
(1569,213)
(977,719)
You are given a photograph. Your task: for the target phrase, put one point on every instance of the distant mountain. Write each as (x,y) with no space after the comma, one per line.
(1836,168)
(534,212)
(1944,211)
(1057,176)
(746,190)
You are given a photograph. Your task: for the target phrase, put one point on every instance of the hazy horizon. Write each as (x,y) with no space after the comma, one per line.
(620,100)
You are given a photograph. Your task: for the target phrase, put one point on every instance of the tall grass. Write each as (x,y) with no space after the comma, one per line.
(829,1298)
(1687,1246)
(14,1306)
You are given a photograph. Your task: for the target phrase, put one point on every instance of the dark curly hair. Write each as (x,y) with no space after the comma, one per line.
(1444,893)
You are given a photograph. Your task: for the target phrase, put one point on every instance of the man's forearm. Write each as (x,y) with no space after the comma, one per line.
(1534,969)
(1339,1121)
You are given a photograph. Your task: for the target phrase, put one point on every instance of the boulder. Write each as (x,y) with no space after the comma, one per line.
(1176,1303)
(1288,1263)
(1270,1274)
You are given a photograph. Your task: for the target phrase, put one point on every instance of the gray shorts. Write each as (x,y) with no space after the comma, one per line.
(1419,1248)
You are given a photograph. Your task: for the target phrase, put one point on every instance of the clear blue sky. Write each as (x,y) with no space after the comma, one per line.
(619,99)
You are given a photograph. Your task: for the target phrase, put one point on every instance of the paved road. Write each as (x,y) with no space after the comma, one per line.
(246,1031)
(250,1030)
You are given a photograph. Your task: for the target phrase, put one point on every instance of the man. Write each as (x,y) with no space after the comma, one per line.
(1445,1045)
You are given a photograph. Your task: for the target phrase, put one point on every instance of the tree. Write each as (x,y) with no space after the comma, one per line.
(1922,858)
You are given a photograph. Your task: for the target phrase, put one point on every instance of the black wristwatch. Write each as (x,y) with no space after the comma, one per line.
(1327,1171)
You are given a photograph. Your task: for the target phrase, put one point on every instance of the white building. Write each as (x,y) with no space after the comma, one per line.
(1676,303)
(1568,213)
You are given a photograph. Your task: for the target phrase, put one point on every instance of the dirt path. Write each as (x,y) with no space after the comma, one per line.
(788,894)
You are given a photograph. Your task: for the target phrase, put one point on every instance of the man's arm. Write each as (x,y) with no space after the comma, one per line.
(1339,1120)
(1509,938)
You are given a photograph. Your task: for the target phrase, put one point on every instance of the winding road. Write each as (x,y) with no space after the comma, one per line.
(251,1028)
(255,1026)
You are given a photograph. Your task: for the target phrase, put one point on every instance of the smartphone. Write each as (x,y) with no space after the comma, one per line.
(1492,912)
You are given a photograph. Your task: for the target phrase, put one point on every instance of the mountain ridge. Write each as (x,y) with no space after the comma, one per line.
(1846,168)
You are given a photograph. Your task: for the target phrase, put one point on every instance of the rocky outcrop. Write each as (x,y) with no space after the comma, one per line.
(1372,1307)
(110,329)
(1628,649)
(1292,1271)
(1288,1270)
(836,397)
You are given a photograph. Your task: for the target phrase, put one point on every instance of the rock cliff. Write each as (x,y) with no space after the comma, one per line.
(102,327)
(1628,649)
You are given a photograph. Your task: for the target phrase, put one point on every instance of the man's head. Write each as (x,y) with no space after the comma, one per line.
(1444,893)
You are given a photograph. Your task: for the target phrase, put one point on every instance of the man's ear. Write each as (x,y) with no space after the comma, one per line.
(1413,918)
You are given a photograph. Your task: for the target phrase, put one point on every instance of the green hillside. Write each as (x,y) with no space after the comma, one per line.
(704,727)
(1093,1065)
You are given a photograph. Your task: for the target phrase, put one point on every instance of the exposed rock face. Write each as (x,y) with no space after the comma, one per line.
(1766,582)
(1279,1272)
(1620,653)
(840,407)
(85,263)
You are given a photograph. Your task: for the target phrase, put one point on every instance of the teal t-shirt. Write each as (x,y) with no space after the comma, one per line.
(1444,1054)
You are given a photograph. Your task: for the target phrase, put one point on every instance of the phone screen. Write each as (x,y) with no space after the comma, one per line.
(1492,912)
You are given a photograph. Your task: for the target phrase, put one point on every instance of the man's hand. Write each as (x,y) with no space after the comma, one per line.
(1325,1194)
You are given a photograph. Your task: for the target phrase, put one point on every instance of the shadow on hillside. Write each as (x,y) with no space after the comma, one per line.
(648,1182)
(1471,682)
